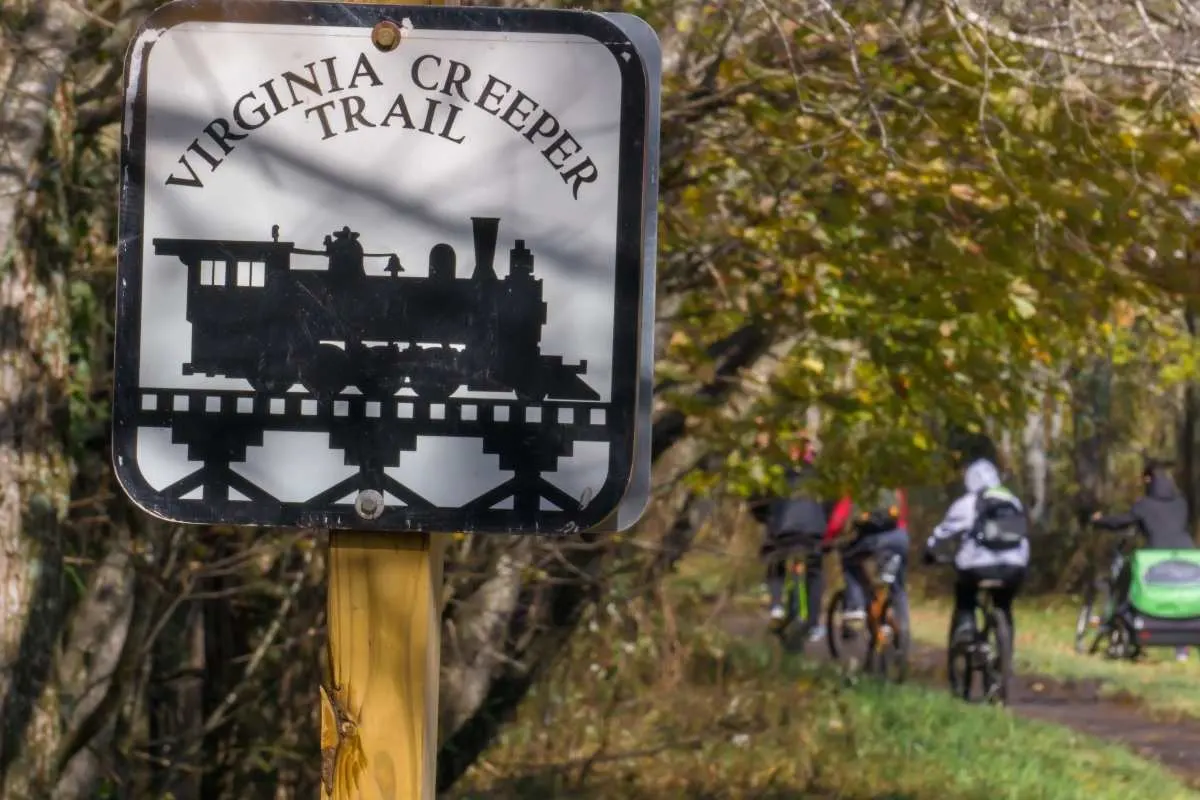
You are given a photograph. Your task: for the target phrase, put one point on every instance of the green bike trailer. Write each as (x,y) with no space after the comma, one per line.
(1165,597)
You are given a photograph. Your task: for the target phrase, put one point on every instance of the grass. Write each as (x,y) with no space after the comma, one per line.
(1045,644)
(662,703)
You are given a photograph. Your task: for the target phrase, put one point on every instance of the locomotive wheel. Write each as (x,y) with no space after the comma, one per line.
(531,391)
(532,395)
(327,372)
(437,375)
(272,384)
(434,388)
(380,387)
(379,372)
(268,376)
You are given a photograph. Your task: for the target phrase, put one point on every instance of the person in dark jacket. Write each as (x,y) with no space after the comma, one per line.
(797,525)
(1161,516)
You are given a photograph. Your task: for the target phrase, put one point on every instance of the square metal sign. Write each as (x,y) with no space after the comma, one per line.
(387,267)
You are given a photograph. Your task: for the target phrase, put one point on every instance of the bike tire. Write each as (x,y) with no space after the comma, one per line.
(791,598)
(1083,621)
(1103,635)
(960,673)
(998,672)
(833,624)
(1122,641)
(891,662)
(792,640)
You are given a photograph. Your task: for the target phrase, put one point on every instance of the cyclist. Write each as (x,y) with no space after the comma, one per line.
(994,545)
(880,527)
(1161,516)
(798,525)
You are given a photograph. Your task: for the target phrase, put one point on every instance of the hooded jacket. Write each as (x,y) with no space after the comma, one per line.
(1161,515)
(796,521)
(960,518)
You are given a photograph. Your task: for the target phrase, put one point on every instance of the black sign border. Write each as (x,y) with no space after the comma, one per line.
(622,410)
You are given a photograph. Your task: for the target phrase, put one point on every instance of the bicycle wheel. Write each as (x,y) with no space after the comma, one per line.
(959,670)
(1094,600)
(887,654)
(997,670)
(795,601)
(1121,640)
(834,620)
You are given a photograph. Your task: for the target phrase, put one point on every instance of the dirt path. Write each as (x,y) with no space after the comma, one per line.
(1079,705)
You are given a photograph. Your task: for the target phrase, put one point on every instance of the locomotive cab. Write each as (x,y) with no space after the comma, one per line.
(231,286)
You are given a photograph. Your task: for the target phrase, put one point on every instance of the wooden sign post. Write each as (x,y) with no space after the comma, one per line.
(379,703)
(388,271)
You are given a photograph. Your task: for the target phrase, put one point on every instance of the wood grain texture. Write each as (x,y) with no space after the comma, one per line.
(379,704)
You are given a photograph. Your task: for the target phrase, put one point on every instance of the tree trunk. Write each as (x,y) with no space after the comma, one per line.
(34,478)
(1037,468)
(1091,392)
(1187,449)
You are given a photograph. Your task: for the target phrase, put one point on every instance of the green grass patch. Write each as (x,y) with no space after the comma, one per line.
(1045,644)
(921,739)
(659,707)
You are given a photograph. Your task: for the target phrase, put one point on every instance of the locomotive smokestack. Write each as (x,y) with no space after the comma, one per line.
(485,230)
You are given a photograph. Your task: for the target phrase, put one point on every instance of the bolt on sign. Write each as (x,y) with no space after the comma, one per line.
(387,271)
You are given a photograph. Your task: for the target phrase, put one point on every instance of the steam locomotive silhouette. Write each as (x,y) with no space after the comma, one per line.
(255,316)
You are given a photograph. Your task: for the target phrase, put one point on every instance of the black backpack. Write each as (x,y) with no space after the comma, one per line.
(797,516)
(880,516)
(1000,521)
(798,513)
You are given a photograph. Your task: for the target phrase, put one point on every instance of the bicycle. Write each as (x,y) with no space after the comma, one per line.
(796,607)
(988,653)
(1100,595)
(887,633)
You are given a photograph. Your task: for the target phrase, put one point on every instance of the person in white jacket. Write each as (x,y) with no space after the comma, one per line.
(977,560)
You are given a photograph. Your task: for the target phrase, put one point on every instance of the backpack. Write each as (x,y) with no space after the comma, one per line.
(880,516)
(801,517)
(1000,521)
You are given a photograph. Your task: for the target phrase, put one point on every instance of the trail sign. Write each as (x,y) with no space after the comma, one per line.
(384,273)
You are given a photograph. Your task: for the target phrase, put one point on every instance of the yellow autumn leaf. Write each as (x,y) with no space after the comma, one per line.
(963,192)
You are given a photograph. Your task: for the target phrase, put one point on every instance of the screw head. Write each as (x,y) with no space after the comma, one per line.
(369,504)
(386,36)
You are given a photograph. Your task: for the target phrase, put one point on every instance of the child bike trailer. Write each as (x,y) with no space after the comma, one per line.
(1164,596)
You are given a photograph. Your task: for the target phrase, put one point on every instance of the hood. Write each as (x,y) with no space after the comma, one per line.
(1161,485)
(980,475)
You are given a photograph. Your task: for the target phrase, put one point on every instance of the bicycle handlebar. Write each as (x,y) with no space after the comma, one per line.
(1091,523)
(1126,534)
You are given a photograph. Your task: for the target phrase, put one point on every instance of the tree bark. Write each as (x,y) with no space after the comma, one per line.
(1091,393)
(1037,467)
(34,477)
(1189,473)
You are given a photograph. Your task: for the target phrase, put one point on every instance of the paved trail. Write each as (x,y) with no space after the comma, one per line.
(1079,705)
